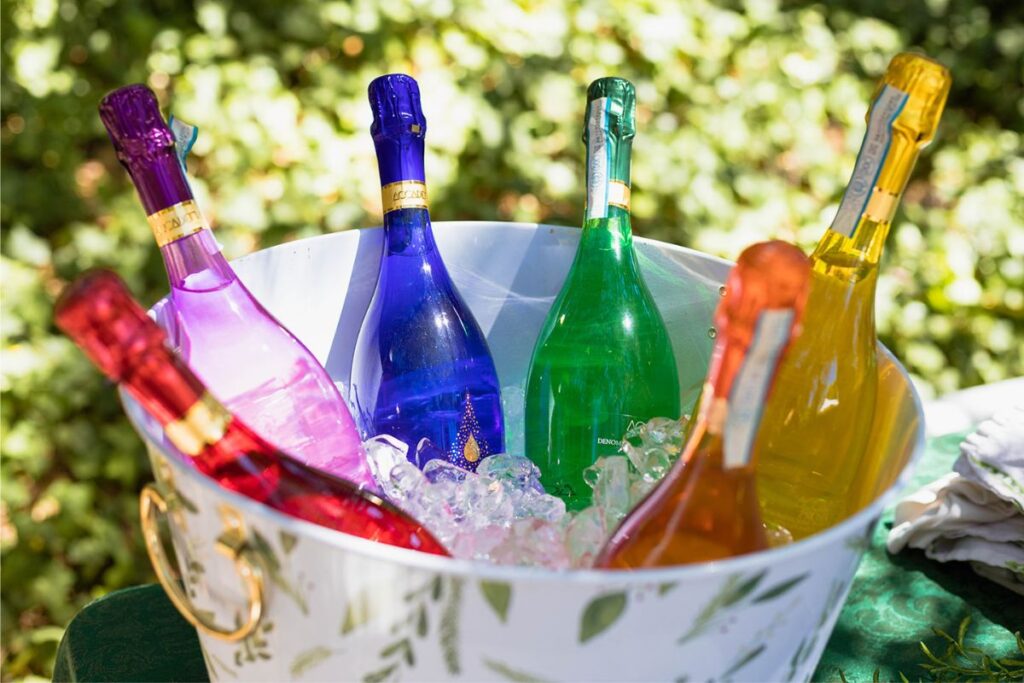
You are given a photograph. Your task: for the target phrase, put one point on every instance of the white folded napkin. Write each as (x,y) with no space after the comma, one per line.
(975,513)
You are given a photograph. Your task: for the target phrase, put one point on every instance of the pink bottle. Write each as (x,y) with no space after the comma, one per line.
(247,359)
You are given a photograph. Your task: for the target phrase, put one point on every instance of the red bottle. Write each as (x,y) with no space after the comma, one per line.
(706,508)
(99,315)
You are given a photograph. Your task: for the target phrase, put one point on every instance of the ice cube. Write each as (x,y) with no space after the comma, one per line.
(654,446)
(639,489)
(585,536)
(426,452)
(478,544)
(538,506)
(533,542)
(383,453)
(442,470)
(610,480)
(514,471)
(404,483)
(488,503)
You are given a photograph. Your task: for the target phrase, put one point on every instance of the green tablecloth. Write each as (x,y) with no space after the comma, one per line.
(136,634)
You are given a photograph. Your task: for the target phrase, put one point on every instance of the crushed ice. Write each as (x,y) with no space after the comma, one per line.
(501,513)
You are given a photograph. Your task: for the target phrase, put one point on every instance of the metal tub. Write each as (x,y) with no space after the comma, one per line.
(276,598)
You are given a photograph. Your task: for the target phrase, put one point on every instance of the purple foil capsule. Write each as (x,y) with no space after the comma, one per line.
(145,146)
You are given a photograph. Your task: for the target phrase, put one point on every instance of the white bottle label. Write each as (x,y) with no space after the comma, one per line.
(870,159)
(599,159)
(746,398)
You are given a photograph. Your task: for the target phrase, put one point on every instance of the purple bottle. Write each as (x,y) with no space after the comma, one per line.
(422,369)
(253,365)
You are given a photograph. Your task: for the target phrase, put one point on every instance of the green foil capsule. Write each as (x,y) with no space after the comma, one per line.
(603,360)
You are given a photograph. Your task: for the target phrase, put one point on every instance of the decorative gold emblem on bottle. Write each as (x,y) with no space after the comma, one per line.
(471,451)
(467,451)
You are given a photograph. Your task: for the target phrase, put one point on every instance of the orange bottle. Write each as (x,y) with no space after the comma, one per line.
(707,508)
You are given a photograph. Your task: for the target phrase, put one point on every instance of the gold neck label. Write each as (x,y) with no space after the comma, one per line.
(405,194)
(202,425)
(177,221)
(881,206)
(873,152)
(618,194)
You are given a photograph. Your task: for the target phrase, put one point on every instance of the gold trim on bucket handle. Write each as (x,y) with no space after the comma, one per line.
(233,543)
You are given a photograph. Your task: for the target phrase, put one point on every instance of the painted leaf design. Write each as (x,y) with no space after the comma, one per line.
(744,660)
(266,551)
(273,566)
(664,588)
(403,647)
(421,622)
(600,614)
(436,589)
(732,591)
(380,674)
(358,611)
(510,674)
(288,541)
(450,628)
(498,595)
(778,589)
(186,503)
(744,589)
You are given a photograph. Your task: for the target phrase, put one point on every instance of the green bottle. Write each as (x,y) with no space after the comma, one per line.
(603,360)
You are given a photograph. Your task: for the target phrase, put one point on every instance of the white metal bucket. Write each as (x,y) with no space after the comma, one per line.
(282,599)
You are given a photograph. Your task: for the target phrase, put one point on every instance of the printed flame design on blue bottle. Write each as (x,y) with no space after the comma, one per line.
(422,369)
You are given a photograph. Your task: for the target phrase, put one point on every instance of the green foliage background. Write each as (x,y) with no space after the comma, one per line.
(750,115)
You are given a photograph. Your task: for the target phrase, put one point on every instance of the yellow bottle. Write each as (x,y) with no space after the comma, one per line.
(814,469)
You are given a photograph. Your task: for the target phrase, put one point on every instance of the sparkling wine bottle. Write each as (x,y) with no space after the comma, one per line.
(706,508)
(603,360)
(99,314)
(421,369)
(247,358)
(815,469)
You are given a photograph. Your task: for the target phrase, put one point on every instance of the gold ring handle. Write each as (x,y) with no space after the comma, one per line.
(232,543)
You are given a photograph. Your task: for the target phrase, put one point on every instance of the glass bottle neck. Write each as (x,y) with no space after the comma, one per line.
(404,193)
(181,231)
(408,232)
(857,235)
(196,263)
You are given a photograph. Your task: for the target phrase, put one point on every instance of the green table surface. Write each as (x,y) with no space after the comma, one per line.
(136,635)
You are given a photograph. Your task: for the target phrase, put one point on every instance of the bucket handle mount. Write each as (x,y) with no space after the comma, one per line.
(233,542)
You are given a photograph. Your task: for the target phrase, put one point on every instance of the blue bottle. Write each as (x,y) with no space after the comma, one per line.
(422,369)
